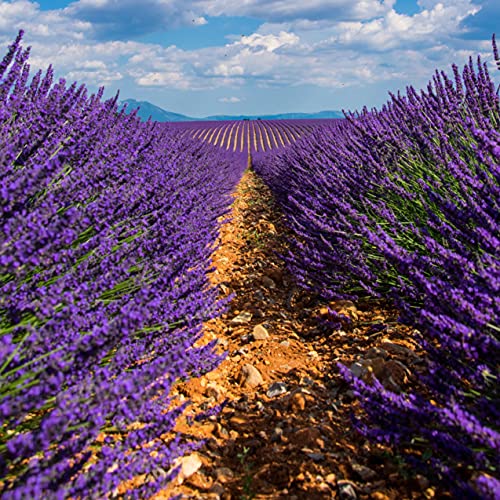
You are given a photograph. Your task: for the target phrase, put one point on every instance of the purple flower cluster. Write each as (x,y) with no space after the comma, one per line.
(403,202)
(107,227)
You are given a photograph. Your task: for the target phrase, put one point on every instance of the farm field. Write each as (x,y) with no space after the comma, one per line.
(251,136)
(249,309)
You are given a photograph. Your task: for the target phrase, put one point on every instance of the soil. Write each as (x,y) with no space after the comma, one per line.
(297,442)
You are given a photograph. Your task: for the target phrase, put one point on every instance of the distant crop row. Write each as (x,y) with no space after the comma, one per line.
(251,137)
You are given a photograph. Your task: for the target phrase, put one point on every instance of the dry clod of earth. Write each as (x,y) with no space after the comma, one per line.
(260,333)
(296,441)
(250,376)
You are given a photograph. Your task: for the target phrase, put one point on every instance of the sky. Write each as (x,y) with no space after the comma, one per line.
(203,57)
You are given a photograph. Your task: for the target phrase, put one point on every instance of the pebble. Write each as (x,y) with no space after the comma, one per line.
(367,367)
(397,349)
(349,395)
(260,333)
(298,402)
(268,282)
(276,389)
(285,343)
(277,434)
(343,304)
(346,490)
(317,457)
(242,318)
(218,489)
(430,493)
(220,431)
(223,342)
(213,375)
(224,474)
(189,466)
(251,377)
(200,481)
(307,437)
(331,479)
(214,391)
(364,473)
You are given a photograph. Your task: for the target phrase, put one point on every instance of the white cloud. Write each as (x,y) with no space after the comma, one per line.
(225,69)
(125,19)
(163,79)
(230,100)
(100,78)
(395,30)
(283,10)
(13,13)
(269,43)
(368,42)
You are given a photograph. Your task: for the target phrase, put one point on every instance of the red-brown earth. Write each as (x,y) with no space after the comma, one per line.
(298,444)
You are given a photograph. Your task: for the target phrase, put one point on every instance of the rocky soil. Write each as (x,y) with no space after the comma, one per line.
(286,431)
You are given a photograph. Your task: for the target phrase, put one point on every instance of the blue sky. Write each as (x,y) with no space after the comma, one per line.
(201,57)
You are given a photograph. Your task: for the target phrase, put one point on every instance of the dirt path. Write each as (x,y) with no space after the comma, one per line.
(286,431)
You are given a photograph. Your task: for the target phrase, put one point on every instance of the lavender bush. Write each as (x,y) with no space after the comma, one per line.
(403,202)
(107,228)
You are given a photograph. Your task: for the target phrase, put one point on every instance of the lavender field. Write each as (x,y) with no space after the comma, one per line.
(108,228)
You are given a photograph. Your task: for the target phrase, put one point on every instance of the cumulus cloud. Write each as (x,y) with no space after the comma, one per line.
(48,26)
(125,19)
(285,10)
(435,24)
(132,17)
(269,43)
(298,43)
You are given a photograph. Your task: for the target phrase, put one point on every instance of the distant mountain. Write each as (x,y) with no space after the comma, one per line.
(157,114)
(160,115)
(282,116)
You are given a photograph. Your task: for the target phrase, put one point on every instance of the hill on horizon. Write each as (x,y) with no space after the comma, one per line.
(156,113)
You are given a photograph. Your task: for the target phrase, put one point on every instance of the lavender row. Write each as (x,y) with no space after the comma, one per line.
(107,227)
(250,137)
(403,203)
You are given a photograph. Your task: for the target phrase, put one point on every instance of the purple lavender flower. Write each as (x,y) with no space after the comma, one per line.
(403,203)
(107,228)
